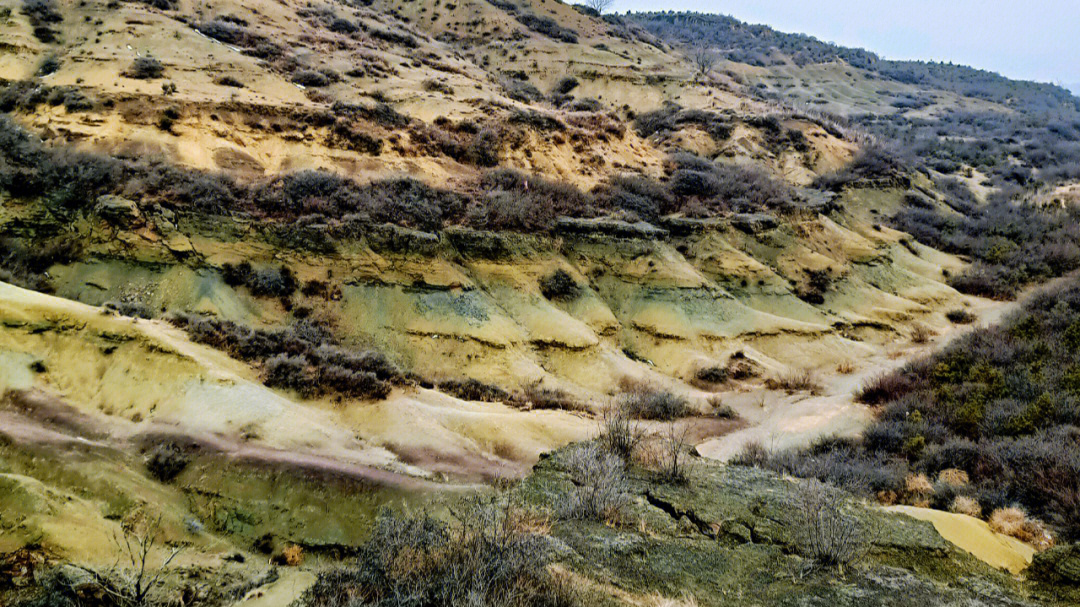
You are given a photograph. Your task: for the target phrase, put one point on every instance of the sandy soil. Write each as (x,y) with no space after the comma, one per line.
(288,588)
(782,421)
(974,536)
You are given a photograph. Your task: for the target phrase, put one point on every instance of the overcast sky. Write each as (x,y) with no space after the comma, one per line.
(1027,39)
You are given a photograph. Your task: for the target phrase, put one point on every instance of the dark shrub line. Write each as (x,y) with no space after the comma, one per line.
(302,358)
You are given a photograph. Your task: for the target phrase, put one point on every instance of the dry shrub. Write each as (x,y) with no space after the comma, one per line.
(474,389)
(966,505)
(619,433)
(1007,521)
(722,410)
(960,317)
(483,558)
(526,521)
(559,286)
(1014,522)
(921,334)
(795,381)
(846,367)
(166,461)
(884,388)
(600,487)
(919,490)
(953,477)
(649,454)
(752,454)
(292,555)
(918,485)
(540,397)
(829,536)
(646,401)
(710,377)
(675,459)
(886,497)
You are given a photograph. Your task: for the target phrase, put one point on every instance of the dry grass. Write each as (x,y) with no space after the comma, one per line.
(292,555)
(540,397)
(887,497)
(643,400)
(1014,522)
(953,477)
(846,367)
(649,454)
(966,505)
(1007,521)
(795,381)
(526,521)
(921,333)
(658,600)
(918,485)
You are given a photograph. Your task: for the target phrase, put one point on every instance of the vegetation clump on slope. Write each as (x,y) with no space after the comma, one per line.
(302,358)
(1001,405)
(1012,147)
(487,556)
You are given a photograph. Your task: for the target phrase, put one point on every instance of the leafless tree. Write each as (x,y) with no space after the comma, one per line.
(704,60)
(599,6)
(132,578)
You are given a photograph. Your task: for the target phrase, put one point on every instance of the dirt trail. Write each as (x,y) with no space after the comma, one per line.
(38,418)
(781,421)
(282,593)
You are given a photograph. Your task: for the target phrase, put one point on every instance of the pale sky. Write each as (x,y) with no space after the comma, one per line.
(1030,40)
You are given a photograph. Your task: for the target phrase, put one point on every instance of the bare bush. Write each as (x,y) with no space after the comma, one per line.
(600,6)
(675,462)
(600,486)
(484,558)
(921,334)
(134,579)
(645,401)
(619,433)
(829,536)
(704,60)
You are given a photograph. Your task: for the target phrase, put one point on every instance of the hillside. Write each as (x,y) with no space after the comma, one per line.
(282,277)
(948,118)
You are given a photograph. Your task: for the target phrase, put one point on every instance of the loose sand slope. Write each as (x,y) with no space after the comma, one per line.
(975,536)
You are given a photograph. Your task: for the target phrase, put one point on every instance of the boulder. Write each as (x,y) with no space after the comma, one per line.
(1058,565)
(117,210)
(753,223)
